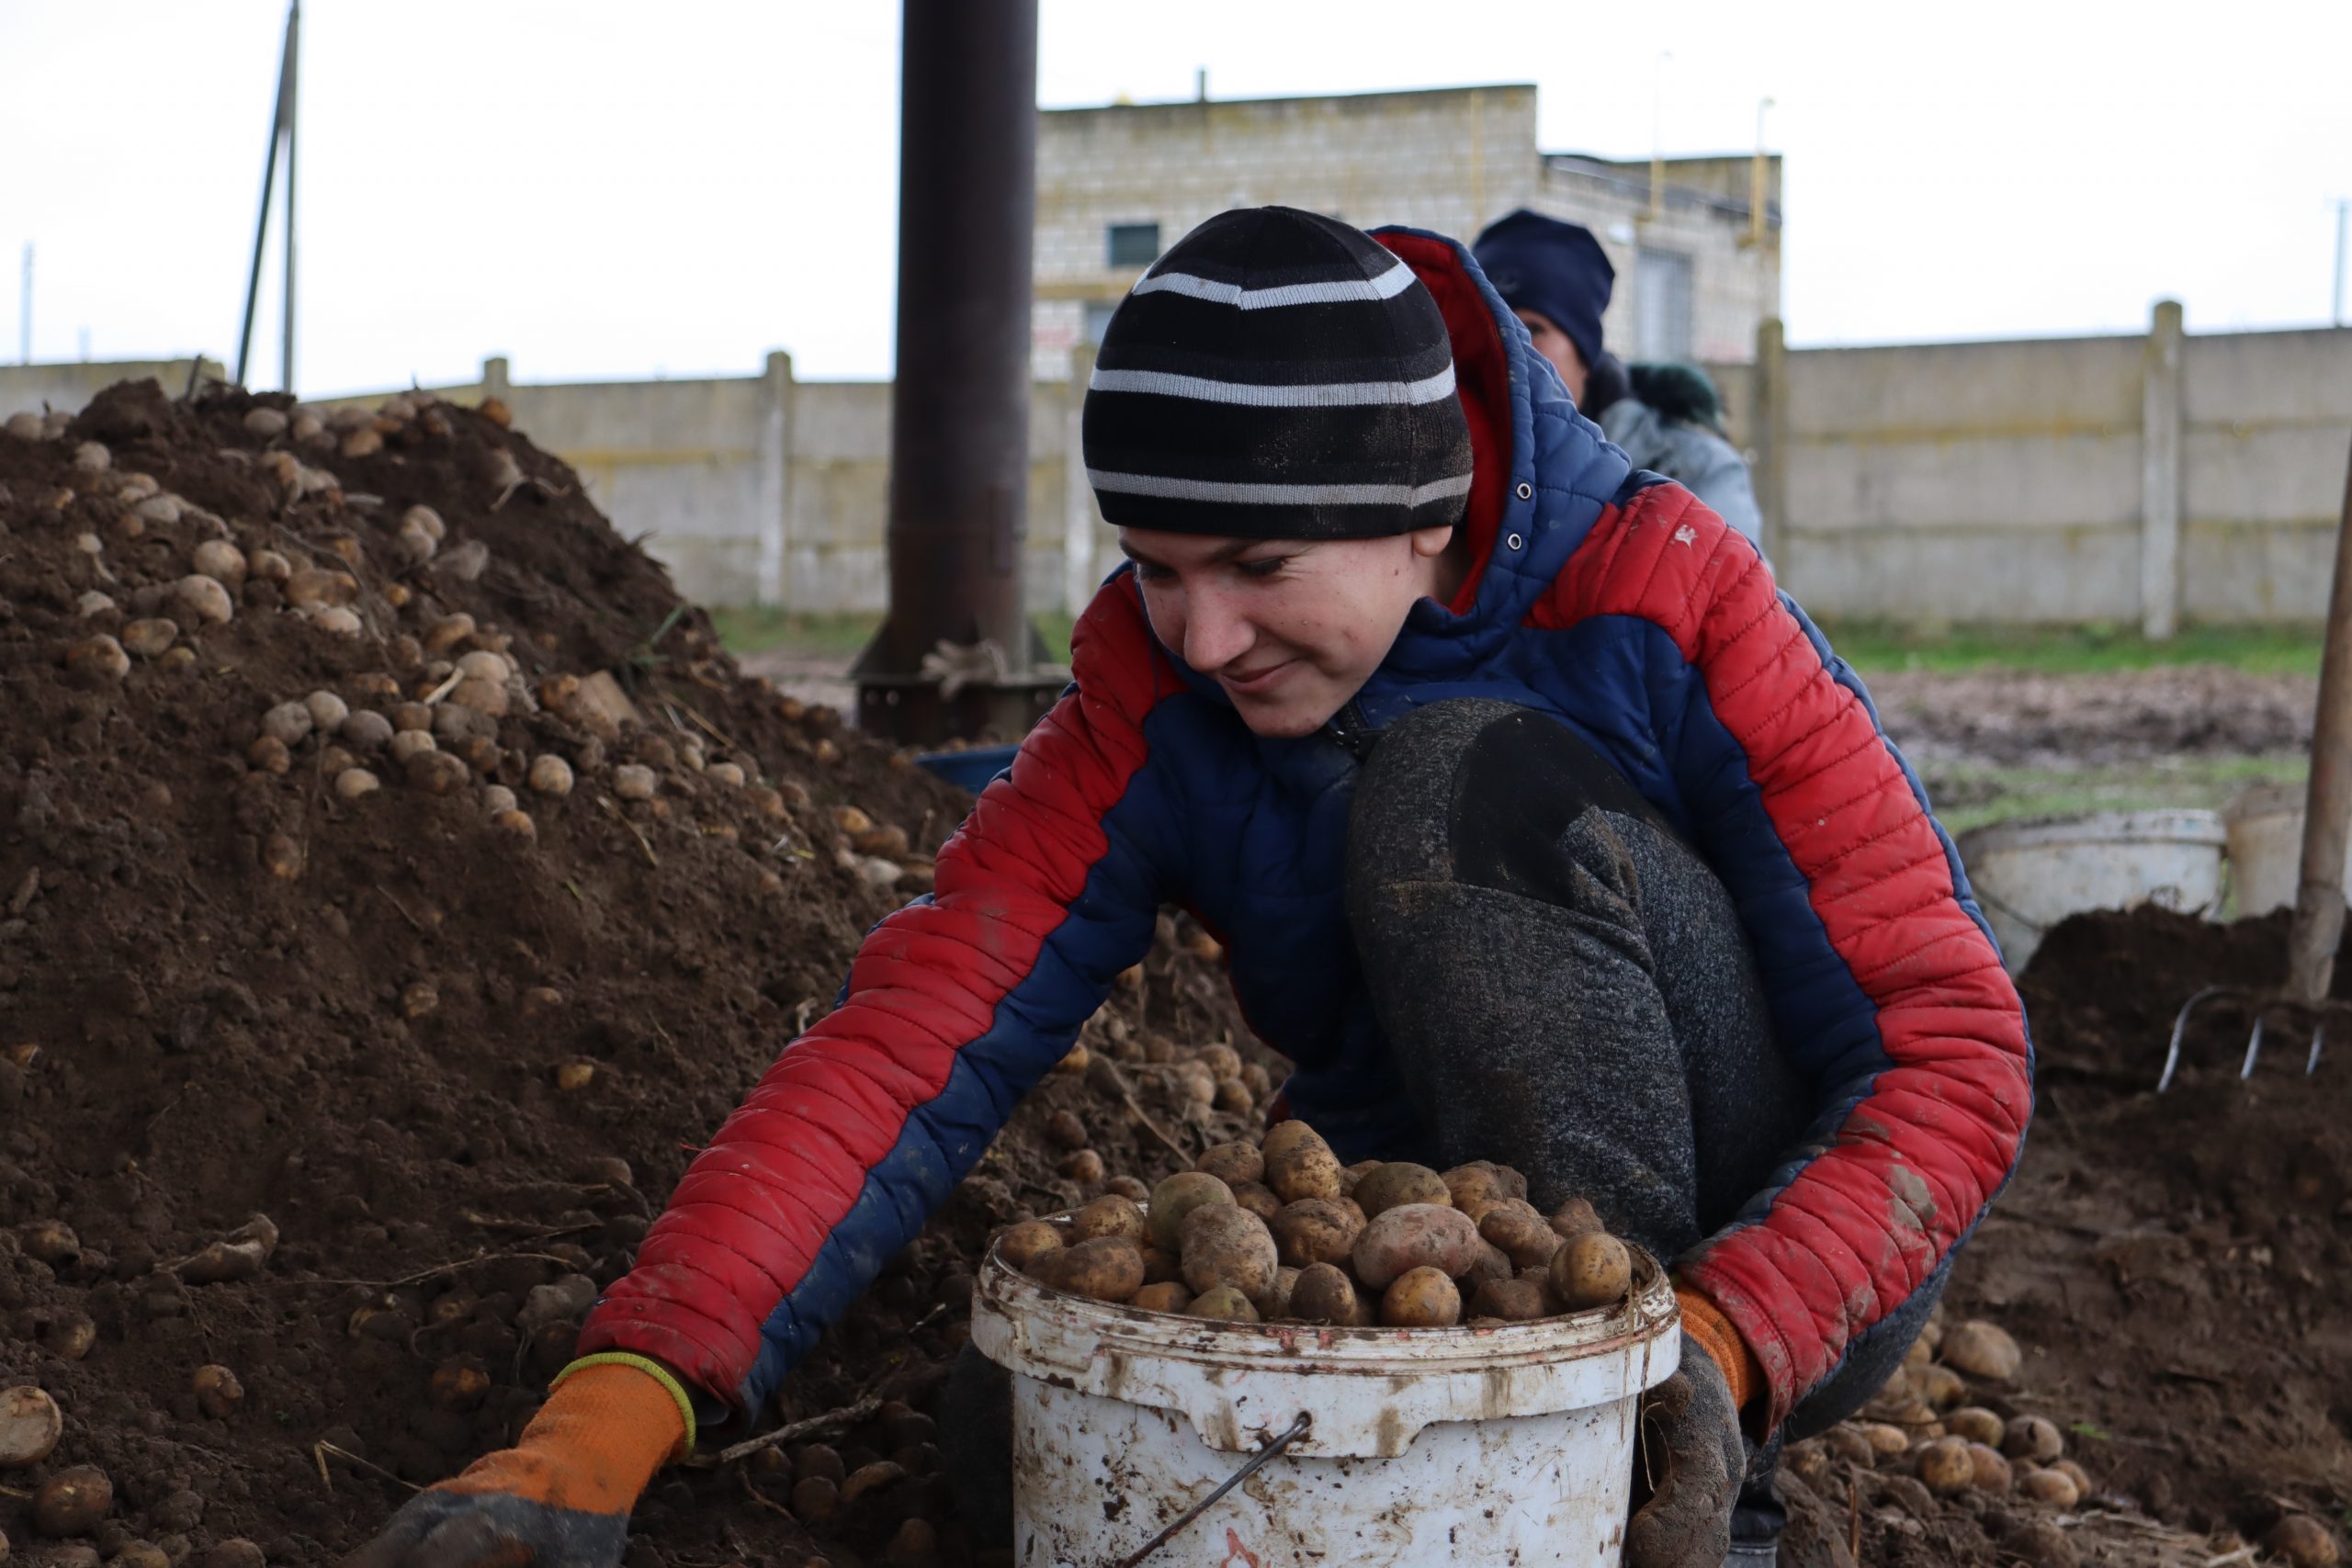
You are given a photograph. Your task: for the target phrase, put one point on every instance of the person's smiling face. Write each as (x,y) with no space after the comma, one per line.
(1291,628)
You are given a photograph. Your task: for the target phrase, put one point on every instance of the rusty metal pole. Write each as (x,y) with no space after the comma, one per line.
(2327,809)
(959,402)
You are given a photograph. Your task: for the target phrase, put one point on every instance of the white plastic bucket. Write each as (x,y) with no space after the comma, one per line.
(2031,874)
(2266,827)
(1512,1444)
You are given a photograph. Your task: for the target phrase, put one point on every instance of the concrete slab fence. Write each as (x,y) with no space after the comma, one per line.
(2143,479)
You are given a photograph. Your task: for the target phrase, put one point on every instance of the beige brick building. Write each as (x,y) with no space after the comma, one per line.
(1696,271)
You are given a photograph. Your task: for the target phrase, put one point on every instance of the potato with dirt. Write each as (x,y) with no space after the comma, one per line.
(1107,1269)
(1411,1236)
(1232,1163)
(1225,1303)
(1525,1238)
(1517,1300)
(1299,1164)
(1317,1230)
(1111,1216)
(1021,1246)
(1179,1196)
(1222,1245)
(1324,1294)
(1399,1183)
(1420,1298)
(1591,1268)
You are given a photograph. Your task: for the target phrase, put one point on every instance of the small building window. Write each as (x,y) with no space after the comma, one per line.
(1661,304)
(1133,244)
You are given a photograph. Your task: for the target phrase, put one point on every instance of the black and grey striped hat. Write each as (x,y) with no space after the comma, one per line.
(1277,375)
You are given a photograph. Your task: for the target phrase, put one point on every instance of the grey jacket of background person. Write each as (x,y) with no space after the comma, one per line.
(1692,455)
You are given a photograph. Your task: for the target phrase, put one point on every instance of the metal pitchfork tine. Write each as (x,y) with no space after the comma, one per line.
(2327,820)
(2264,1005)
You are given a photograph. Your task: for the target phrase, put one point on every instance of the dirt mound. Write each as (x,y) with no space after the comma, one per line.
(2013,718)
(454,1035)
(2172,1266)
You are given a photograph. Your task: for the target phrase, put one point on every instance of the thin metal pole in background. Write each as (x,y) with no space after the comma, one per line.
(2343,212)
(279,124)
(289,72)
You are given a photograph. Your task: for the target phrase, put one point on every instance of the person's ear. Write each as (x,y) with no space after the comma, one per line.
(1431,543)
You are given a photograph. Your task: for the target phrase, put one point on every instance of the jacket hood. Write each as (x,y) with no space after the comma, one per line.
(1544,472)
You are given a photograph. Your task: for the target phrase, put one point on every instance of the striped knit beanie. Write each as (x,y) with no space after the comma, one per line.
(1277,375)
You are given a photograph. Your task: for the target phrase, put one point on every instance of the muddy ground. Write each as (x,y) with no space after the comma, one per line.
(458,1059)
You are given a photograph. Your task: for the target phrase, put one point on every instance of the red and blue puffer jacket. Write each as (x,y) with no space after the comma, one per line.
(1610,600)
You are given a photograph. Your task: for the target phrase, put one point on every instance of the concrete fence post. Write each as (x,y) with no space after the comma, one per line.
(1770,433)
(775,480)
(494,383)
(1079,572)
(2160,463)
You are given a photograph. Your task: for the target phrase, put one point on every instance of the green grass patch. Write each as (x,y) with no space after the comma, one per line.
(1969,795)
(747,630)
(1875,646)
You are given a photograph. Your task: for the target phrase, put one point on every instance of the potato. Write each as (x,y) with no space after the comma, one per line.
(1941,1387)
(1162,1268)
(1575,1218)
(1273,1302)
(1259,1199)
(1168,1295)
(1222,1245)
(1980,1350)
(2052,1486)
(549,774)
(1491,1266)
(218,1391)
(1107,1269)
(1179,1196)
(1316,1230)
(70,1336)
(459,1383)
(2302,1541)
(1352,1174)
(1513,1300)
(1944,1467)
(1081,1165)
(1127,1186)
(1397,1183)
(1023,1244)
(1064,1130)
(1976,1423)
(30,1426)
(1592,1269)
(1884,1437)
(633,781)
(1846,1442)
(73,1501)
(1225,1302)
(353,783)
(1482,1180)
(1109,1216)
(1993,1474)
(2033,1437)
(1415,1235)
(1234,1096)
(1233,1163)
(1528,1240)
(1323,1293)
(1299,1164)
(2075,1474)
(1420,1298)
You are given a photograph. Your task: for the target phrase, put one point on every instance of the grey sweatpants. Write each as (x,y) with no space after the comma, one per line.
(1566,989)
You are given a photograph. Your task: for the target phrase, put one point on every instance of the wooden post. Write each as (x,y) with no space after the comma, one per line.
(2327,809)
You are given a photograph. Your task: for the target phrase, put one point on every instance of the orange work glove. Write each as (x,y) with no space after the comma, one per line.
(1704,1321)
(560,1497)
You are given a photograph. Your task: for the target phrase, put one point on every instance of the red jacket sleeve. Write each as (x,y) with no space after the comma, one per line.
(1900,1009)
(955,1006)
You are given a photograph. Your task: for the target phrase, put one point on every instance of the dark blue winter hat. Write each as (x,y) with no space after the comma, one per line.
(1554,268)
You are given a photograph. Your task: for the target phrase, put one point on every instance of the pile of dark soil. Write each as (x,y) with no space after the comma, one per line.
(2014,717)
(455,1036)
(2174,1266)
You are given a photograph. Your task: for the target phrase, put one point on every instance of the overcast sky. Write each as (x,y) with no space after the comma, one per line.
(599,190)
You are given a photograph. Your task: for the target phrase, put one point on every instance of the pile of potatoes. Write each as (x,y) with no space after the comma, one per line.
(1280,1231)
